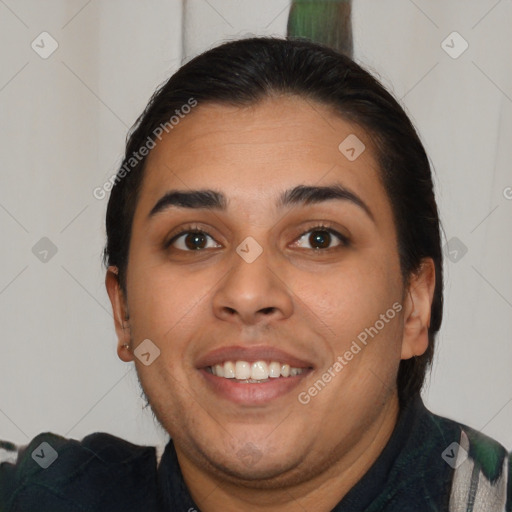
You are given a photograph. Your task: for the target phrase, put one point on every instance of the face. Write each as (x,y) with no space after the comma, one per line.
(258,279)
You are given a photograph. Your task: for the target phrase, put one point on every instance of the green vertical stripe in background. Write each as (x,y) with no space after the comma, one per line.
(322,21)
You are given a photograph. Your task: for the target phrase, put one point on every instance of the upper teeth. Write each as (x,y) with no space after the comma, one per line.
(260,370)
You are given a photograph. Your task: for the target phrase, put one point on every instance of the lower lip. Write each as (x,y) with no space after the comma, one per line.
(252,393)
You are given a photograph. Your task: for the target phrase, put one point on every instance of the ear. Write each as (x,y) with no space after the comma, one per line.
(418,302)
(120,311)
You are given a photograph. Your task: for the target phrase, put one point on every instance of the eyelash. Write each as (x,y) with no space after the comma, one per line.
(344,241)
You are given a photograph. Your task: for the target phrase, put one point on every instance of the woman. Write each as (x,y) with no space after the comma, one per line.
(275,271)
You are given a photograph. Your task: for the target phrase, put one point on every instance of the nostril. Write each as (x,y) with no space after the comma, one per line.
(268,310)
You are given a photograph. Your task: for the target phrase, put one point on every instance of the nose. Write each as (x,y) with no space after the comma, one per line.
(253,292)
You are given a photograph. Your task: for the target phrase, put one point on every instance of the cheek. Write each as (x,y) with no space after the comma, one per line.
(351,296)
(161,302)
(164,308)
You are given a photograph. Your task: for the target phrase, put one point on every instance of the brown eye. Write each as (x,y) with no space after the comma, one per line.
(322,238)
(195,241)
(192,240)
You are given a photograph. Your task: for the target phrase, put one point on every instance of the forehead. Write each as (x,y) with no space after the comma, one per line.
(257,151)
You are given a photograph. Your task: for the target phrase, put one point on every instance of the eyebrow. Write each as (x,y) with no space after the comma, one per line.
(299,195)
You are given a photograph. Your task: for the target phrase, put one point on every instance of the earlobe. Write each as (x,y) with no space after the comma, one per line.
(120,314)
(417,310)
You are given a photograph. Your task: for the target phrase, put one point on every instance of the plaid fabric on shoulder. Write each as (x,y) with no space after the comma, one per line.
(481,476)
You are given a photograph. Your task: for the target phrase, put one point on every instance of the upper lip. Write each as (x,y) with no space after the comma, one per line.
(251,355)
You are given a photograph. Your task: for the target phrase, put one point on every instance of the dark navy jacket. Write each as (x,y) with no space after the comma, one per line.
(429,464)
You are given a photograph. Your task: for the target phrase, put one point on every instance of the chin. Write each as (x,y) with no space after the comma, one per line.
(263,465)
(260,475)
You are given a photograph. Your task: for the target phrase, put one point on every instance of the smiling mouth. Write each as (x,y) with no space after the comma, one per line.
(254,373)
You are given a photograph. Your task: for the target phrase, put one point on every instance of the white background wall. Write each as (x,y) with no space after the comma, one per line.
(63,121)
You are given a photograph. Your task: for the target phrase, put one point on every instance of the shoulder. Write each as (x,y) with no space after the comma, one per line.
(100,472)
(482,468)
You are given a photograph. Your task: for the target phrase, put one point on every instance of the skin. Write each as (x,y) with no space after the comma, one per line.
(189,303)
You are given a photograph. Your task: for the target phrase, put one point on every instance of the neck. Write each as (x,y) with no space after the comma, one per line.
(213,491)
